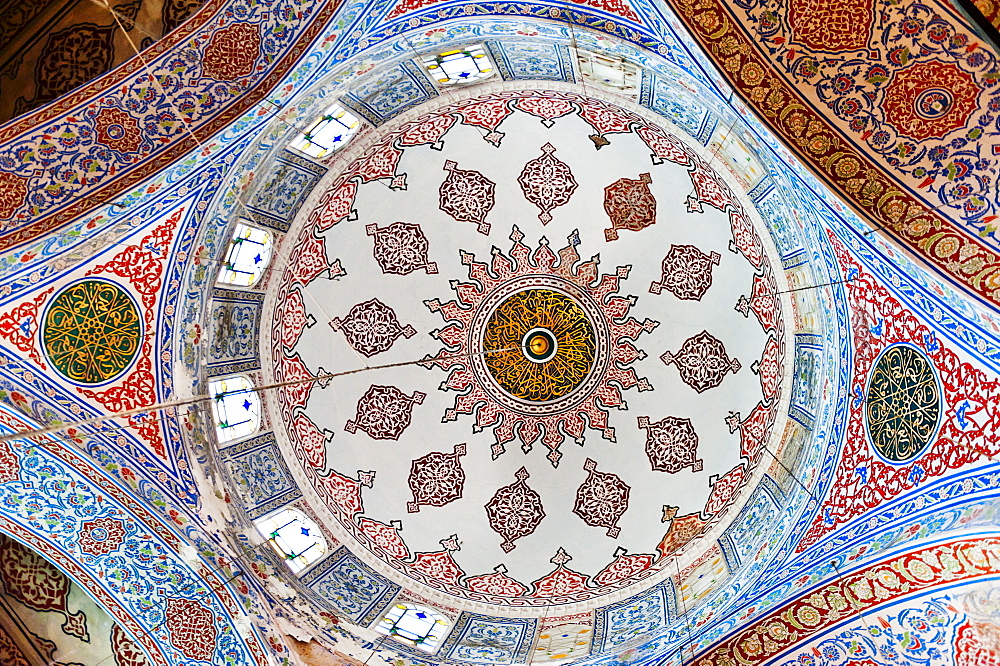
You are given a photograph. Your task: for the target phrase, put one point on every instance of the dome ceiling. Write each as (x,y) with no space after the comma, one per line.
(602,356)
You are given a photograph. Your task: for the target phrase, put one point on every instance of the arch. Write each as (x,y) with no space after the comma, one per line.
(295,537)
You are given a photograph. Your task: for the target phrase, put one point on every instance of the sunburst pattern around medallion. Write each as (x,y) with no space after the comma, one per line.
(525,415)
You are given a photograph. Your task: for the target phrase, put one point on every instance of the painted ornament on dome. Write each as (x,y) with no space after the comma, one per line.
(557,342)
(904,404)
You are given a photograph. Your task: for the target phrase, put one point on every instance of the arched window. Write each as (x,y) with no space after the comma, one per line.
(248,255)
(414,625)
(296,538)
(329,133)
(463,65)
(235,406)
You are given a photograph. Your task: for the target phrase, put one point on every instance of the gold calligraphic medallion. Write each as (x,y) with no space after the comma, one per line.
(904,404)
(91,331)
(547,345)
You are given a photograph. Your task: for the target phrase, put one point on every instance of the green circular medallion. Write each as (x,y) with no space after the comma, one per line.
(904,404)
(91,331)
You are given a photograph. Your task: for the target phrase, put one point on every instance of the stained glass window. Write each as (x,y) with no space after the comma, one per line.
(610,72)
(414,625)
(460,66)
(235,406)
(329,133)
(248,255)
(295,537)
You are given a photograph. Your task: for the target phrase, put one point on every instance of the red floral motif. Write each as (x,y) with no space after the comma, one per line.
(753,431)
(232,52)
(977,644)
(607,119)
(467,196)
(547,182)
(192,628)
(436,479)
(294,319)
(681,531)
(308,261)
(515,511)
(10,466)
(665,147)
(101,536)
(561,581)
(762,301)
(687,272)
(39,585)
(379,163)
(618,7)
(126,652)
(400,248)
(930,99)
(831,26)
(384,412)
(601,499)
(768,368)
(13,193)
(371,327)
(312,440)
(336,204)
(385,537)
(428,131)
(725,488)
(439,566)
(297,394)
(20,325)
(488,114)
(702,362)
(546,108)
(498,583)
(345,492)
(970,407)
(623,567)
(745,238)
(629,204)
(671,444)
(117,130)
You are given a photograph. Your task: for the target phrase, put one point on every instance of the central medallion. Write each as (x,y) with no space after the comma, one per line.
(546,345)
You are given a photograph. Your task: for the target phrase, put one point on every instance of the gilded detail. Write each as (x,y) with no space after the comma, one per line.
(904,404)
(528,368)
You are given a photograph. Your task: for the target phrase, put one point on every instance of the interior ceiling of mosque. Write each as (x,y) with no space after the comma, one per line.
(661,333)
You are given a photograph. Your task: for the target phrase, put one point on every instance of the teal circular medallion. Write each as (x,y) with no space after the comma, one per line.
(903,405)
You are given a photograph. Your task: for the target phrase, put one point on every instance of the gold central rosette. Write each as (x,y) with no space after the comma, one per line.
(547,342)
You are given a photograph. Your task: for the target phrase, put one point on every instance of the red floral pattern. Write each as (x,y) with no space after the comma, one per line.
(702,362)
(671,444)
(371,327)
(20,325)
(400,248)
(192,628)
(117,130)
(126,652)
(831,26)
(547,182)
(930,99)
(13,193)
(232,52)
(687,272)
(629,204)
(101,536)
(601,499)
(436,479)
(384,412)
(467,196)
(515,511)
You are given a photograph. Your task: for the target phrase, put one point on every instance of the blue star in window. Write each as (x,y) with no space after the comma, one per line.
(247,405)
(337,139)
(464,75)
(305,531)
(257,259)
(422,615)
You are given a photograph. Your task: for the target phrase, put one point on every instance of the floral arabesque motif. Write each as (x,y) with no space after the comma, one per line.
(687,272)
(611,377)
(629,204)
(232,52)
(702,362)
(400,248)
(371,327)
(436,479)
(547,182)
(118,130)
(467,196)
(601,499)
(192,628)
(384,412)
(101,536)
(930,99)
(13,193)
(671,444)
(515,511)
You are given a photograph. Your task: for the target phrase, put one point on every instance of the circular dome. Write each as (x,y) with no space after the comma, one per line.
(576,353)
